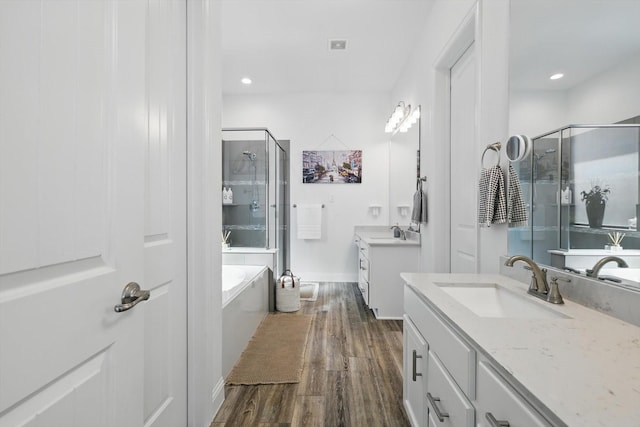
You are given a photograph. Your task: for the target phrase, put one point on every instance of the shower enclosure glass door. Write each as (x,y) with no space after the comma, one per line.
(255,168)
(582,185)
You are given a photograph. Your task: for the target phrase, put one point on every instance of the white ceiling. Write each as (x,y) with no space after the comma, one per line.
(580,38)
(283,45)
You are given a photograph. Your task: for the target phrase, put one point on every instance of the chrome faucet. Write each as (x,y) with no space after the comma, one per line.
(539,286)
(400,232)
(539,278)
(601,262)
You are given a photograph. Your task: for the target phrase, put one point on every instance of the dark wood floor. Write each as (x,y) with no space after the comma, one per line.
(352,373)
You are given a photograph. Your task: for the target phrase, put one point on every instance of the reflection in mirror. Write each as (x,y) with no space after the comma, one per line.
(583,201)
(403,173)
(600,64)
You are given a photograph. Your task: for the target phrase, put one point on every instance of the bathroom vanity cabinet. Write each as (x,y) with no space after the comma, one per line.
(450,382)
(380,262)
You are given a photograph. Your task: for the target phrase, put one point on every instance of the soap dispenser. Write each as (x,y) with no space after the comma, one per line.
(229,196)
(396,231)
(225,196)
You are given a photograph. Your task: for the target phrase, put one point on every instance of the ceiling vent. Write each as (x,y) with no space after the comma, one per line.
(337,44)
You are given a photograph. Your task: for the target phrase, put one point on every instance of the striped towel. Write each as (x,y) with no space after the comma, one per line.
(517,207)
(492,204)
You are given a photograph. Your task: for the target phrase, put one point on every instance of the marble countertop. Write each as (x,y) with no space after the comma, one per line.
(383,236)
(584,368)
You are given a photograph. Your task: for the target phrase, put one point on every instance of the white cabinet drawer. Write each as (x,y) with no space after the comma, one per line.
(448,406)
(363,278)
(460,356)
(363,267)
(364,290)
(364,249)
(414,371)
(498,398)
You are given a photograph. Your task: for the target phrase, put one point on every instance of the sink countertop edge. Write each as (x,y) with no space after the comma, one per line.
(580,368)
(384,237)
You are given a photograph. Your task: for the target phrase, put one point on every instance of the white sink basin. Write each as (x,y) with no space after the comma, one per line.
(492,300)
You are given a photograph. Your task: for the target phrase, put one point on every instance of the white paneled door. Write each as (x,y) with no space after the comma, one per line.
(464,232)
(92,188)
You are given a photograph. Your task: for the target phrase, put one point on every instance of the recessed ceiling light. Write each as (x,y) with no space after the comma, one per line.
(557,76)
(246,81)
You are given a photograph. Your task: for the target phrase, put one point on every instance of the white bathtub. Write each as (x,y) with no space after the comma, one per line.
(245,303)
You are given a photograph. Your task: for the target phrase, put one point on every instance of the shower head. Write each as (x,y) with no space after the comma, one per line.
(547,151)
(250,155)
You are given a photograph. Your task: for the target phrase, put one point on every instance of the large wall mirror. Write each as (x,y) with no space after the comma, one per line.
(596,45)
(403,173)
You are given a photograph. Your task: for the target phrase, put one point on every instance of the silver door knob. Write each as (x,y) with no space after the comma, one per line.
(131,295)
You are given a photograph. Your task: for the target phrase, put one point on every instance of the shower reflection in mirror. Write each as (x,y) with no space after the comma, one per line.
(580,183)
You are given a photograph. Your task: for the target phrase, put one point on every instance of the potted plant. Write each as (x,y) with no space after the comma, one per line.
(595,201)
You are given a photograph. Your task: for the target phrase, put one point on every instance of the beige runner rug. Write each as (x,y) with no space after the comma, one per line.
(275,353)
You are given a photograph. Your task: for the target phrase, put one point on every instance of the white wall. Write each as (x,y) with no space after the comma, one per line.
(607,98)
(325,121)
(533,113)
(420,83)
(206,384)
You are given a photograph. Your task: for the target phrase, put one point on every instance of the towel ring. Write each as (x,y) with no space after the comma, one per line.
(493,147)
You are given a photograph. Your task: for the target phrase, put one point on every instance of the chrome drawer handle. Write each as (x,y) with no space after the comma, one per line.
(441,415)
(495,423)
(416,356)
(131,295)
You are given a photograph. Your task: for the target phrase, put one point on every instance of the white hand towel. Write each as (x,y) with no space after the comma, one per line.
(309,221)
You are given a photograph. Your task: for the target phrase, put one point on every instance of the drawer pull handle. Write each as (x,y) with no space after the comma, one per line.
(495,423)
(441,415)
(416,356)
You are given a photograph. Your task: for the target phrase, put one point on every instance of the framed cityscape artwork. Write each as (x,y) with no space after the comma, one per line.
(332,167)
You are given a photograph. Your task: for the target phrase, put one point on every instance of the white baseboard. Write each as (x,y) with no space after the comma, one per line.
(217,396)
(316,276)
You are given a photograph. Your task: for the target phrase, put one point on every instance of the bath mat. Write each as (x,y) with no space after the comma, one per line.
(275,353)
(309,291)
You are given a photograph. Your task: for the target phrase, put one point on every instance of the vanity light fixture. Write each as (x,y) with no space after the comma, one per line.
(246,81)
(556,76)
(402,118)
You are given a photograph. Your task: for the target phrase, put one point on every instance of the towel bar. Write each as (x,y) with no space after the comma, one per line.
(295,206)
(494,147)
